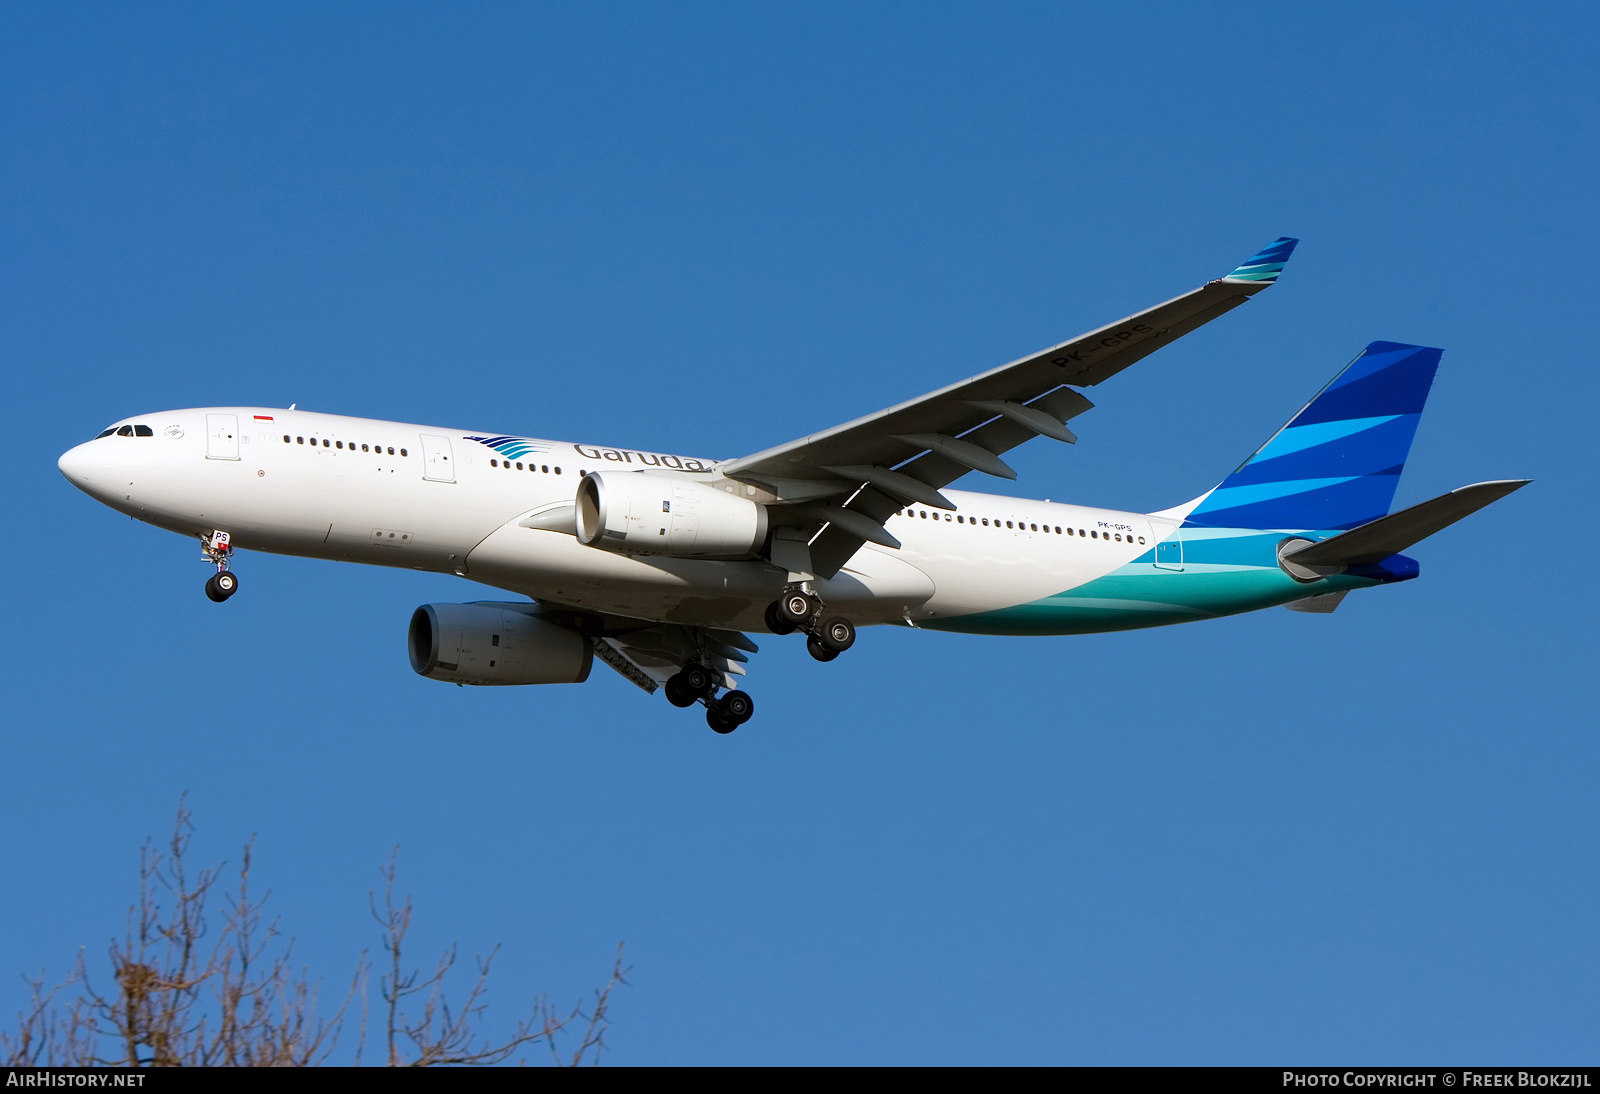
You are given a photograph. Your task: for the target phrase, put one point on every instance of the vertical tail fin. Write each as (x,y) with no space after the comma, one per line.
(1337,463)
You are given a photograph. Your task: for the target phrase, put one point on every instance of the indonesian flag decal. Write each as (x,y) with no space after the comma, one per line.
(263,417)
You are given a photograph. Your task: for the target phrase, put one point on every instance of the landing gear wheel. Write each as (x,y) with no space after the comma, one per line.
(795,608)
(694,681)
(220,586)
(837,634)
(818,650)
(676,695)
(729,712)
(776,623)
(737,707)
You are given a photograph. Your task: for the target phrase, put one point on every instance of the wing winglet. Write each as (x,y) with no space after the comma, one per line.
(1263,267)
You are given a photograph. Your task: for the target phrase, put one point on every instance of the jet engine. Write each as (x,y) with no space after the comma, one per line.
(650,514)
(488,643)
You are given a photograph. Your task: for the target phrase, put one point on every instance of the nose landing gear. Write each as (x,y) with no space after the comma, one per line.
(221,585)
(215,548)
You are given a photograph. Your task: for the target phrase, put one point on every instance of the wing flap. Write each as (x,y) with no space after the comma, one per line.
(998,436)
(646,657)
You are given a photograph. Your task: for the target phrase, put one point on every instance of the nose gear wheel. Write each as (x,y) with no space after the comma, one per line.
(215,548)
(221,585)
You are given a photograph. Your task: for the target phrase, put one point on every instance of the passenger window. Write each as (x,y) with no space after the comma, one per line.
(105,433)
(1094,535)
(364,448)
(986,522)
(519,467)
(402,451)
(125,431)
(960,520)
(494,463)
(1080,531)
(391,451)
(286,438)
(1035,527)
(544,468)
(1141,541)
(924,514)
(1058,529)
(300,440)
(324,442)
(143,431)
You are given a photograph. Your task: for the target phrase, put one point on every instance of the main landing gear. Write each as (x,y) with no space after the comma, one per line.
(215,548)
(697,684)
(798,609)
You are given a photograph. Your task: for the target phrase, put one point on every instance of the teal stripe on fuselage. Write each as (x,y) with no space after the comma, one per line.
(1225,573)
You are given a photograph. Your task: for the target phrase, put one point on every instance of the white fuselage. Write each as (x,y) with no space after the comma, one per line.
(442,500)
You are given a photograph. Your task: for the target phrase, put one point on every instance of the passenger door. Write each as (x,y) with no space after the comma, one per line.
(222,436)
(1169,545)
(436,463)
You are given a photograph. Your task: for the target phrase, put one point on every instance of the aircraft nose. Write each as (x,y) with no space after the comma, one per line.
(87,470)
(74,464)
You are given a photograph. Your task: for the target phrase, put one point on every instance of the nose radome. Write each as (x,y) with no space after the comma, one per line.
(74,464)
(88,469)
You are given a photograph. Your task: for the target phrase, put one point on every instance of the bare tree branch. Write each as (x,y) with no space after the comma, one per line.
(187,996)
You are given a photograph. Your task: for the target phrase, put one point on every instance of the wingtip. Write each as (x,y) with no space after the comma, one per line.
(1263,267)
(1505,486)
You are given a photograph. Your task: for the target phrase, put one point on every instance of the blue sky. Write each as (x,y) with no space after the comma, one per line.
(703,228)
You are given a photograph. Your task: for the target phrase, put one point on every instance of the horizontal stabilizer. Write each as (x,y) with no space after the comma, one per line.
(1378,539)
(1321,604)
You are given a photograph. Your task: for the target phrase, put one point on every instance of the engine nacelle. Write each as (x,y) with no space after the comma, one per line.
(650,514)
(487,643)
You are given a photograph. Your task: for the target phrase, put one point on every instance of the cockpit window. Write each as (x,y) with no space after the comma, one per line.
(143,431)
(125,431)
(105,433)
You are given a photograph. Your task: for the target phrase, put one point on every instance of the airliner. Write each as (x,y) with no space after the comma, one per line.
(658,564)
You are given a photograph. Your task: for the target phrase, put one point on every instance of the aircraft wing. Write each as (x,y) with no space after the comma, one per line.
(907,452)
(647,656)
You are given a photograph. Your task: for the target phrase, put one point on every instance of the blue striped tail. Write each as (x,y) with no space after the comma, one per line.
(1337,463)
